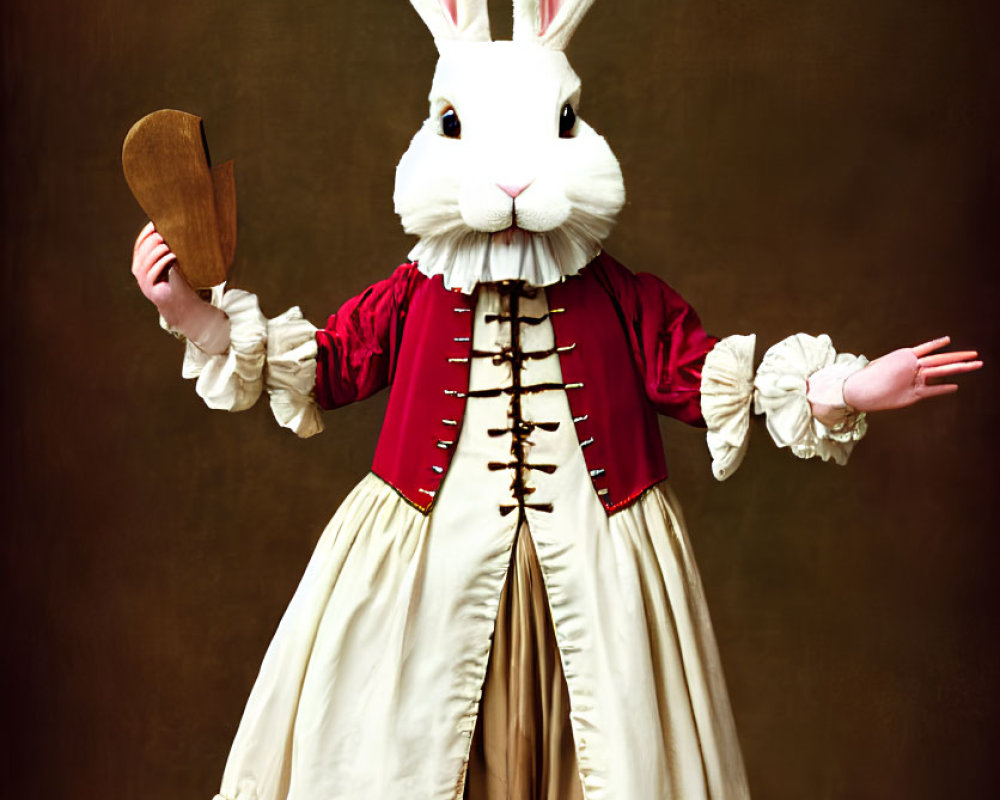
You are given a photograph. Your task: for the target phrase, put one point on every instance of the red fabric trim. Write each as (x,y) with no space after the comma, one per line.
(639,349)
(427,390)
(358,349)
(614,507)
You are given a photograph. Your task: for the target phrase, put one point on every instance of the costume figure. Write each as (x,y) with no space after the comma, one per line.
(507,606)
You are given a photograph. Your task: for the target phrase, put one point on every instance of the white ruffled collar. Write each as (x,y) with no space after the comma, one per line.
(466,258)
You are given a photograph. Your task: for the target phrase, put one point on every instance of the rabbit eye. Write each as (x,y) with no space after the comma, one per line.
(451,126)
(567,122)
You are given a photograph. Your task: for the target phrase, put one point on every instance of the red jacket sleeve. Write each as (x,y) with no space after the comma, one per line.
(668,343)
(356,351)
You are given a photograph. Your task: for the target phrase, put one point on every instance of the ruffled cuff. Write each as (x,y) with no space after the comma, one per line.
(781,389)
(231,381)
(726,396)
(826,396)
(291,372)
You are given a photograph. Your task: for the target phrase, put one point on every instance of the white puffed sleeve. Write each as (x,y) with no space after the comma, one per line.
(231,381)
(291,372)
(726,398)
(799,382)
(781,392)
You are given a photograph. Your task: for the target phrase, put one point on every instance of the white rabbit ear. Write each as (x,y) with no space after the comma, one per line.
(548,22)
(455,20)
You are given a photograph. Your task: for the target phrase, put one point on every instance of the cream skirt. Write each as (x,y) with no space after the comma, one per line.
(603,679)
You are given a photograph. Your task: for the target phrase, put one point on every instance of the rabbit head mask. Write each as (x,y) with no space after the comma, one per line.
(503,180)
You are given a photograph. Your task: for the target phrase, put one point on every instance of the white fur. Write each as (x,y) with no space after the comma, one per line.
(508,96)
(529,25)
(472,23)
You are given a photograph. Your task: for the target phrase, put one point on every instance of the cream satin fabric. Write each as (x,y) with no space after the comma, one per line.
(230,381)
(797,375)
(371,687)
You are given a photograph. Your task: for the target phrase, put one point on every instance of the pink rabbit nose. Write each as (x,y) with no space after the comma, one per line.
(513,189)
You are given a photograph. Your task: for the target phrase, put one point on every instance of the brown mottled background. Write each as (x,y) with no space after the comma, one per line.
(817,165)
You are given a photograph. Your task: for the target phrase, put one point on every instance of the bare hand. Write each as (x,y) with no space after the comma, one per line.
(152,259)
(905,376)
(179,304)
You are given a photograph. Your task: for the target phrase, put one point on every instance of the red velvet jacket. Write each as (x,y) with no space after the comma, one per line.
(635,349)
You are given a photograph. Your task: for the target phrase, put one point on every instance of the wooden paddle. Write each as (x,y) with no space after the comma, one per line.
(192,204)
